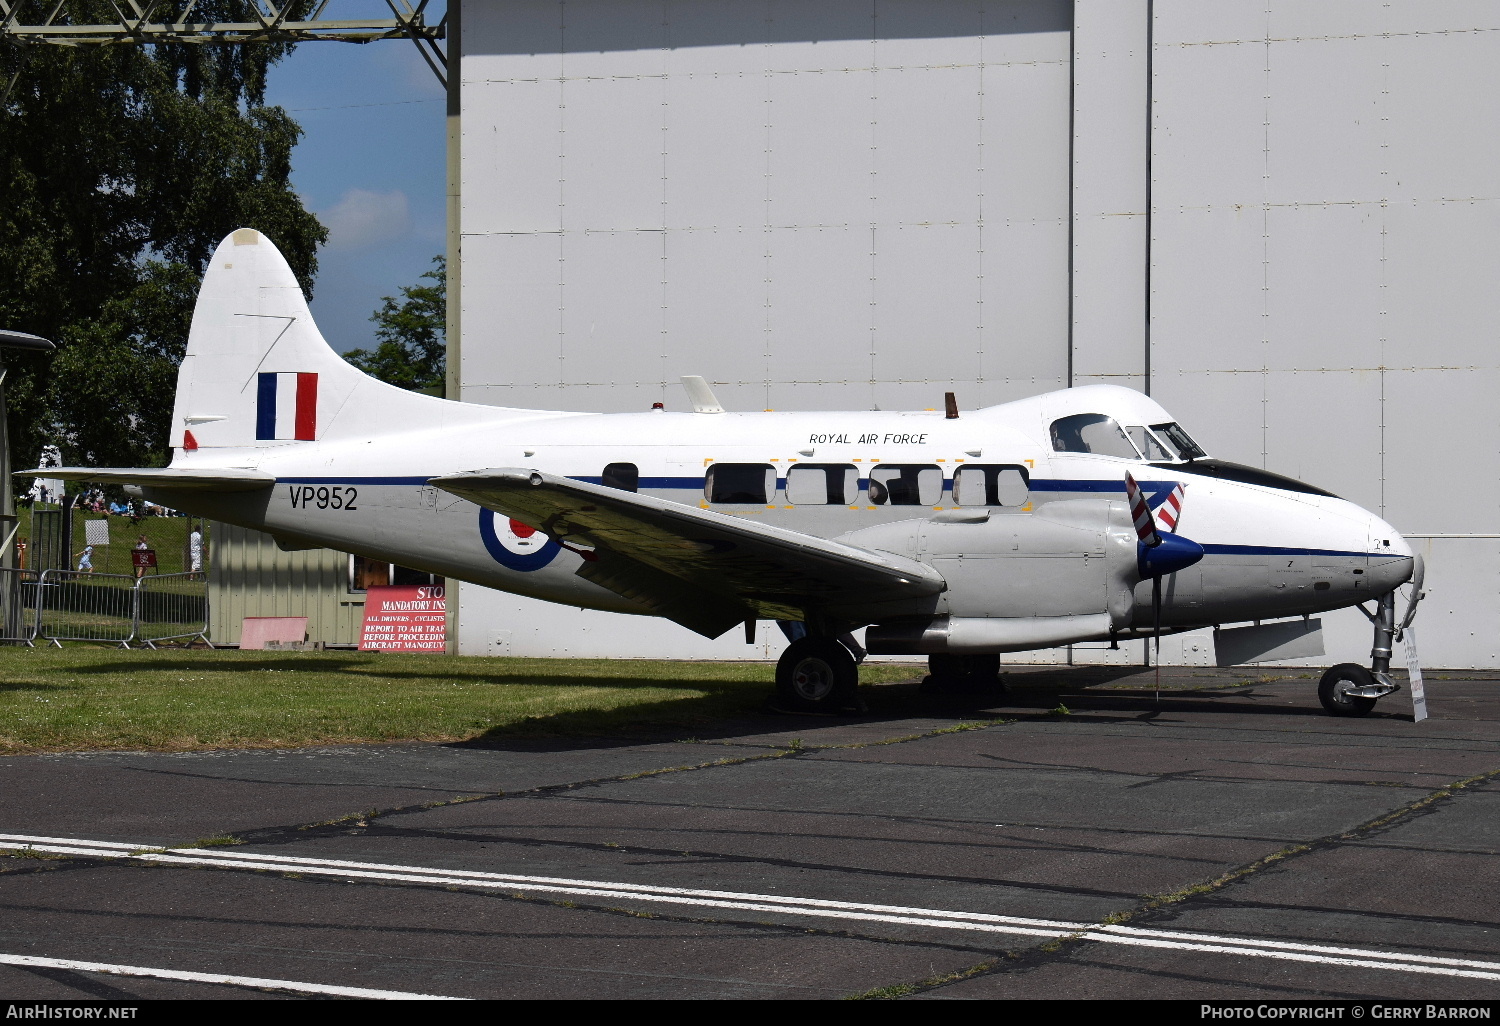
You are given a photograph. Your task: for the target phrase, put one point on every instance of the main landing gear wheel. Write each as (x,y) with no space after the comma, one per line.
(963,675)
(1336,690)
(817,675)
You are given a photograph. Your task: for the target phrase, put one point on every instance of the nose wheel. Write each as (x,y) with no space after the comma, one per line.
(1349,689)
(1344,690)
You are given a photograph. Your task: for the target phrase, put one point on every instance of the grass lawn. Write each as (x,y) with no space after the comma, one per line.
(82,698)
(167,535)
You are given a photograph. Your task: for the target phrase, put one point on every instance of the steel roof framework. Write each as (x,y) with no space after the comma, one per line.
(147,22)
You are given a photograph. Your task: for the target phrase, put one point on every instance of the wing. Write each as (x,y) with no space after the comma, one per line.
(220,479)
(707,571)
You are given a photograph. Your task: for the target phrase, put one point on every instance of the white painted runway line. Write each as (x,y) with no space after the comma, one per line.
(294,986)
(818,908)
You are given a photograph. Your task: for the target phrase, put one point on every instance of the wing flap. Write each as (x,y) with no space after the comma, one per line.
(754,567)
(220,479)
(699,611)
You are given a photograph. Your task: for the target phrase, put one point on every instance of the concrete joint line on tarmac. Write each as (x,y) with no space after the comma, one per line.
(1058,933)
(1169,906)
(791,750)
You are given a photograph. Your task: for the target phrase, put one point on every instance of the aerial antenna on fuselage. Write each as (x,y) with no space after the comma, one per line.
(700,395)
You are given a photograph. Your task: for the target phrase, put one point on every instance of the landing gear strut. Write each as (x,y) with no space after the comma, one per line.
(1349,689)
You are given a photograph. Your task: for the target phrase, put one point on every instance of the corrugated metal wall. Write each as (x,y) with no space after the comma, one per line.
(1280,216)
(250,576)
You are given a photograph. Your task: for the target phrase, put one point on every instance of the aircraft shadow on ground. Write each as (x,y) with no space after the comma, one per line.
(290,661)
(726,711)
(35,685)
(1034,695)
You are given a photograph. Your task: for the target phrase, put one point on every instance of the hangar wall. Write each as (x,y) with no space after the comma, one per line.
(1277,216)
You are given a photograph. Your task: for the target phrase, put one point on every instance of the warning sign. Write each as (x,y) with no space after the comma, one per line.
(404,618)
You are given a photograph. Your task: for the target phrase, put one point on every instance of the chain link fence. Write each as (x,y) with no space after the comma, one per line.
(70,605)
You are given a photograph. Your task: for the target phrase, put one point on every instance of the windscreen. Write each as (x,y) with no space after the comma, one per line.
(1092,433)
(1151,447)
(1173,435)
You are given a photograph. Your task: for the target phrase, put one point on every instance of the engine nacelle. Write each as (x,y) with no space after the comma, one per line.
(1062,574)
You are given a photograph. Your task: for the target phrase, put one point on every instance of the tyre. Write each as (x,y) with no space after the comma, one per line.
(983,672)
(1337,682)
(963,675)
(817,675)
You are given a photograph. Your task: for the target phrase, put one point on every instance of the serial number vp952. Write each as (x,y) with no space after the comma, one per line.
(323,496)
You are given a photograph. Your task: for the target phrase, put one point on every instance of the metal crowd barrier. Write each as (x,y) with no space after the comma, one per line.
(170,606)
(18,590)
(68,605)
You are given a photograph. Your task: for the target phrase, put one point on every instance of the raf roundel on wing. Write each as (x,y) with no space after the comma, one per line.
(514,545)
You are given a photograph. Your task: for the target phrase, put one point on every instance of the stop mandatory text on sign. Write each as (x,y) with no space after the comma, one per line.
(404,618)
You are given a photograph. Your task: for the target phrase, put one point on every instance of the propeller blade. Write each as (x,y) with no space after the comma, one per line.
(1156,631)
(1159,554)
(1169,513)
(1145,525)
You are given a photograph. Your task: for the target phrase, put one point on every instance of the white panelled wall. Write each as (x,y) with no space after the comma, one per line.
(1282,217)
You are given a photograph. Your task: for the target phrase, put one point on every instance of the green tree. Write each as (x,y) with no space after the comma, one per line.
(412,333)
(121,167)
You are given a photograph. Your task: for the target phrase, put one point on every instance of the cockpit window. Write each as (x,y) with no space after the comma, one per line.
(1151,447)
(1173,435)
(1092,433)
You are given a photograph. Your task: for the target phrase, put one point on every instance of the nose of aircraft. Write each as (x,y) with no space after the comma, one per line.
(1391,560)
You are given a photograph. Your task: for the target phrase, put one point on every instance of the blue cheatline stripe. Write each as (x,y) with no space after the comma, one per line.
(692,483)
(1157,490)
(1272,550)
(265,407)
(354,480)
(1039,484)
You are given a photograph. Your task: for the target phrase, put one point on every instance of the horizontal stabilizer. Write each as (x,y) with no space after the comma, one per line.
(215,479)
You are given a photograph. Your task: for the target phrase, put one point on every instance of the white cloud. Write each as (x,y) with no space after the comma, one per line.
(363,219)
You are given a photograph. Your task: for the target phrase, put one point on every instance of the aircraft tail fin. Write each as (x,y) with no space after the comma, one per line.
(258,373)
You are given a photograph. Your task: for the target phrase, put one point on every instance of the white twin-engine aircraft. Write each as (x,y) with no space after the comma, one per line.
(954,536)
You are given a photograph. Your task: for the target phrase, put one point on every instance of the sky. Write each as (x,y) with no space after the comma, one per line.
(371,165)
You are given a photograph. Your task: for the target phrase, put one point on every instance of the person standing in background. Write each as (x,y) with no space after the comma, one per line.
(195,549)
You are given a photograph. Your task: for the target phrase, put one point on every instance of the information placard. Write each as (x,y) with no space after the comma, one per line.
(404,618)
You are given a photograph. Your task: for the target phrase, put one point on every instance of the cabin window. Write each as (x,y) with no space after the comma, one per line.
(1092,433)
(1173,435)
(741,483)
(367,573)
(906,484)
(624,476)
(978,484)
(1152,447)
(822,484)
